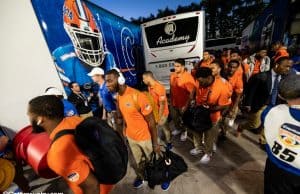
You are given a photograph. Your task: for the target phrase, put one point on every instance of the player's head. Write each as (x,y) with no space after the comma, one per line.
(148,77)
(44,109)
(289,88)
(114,79)
(86,37)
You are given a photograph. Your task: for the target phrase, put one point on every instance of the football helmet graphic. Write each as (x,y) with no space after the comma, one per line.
(86,37)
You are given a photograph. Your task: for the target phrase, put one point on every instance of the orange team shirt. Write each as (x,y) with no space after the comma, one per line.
(134,112)
(158,92)
(236,81)
(218,94)
(66,160)
(181,87)
(242,71)
(256,68)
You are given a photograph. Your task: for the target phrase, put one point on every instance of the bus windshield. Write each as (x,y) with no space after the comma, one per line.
(172,33)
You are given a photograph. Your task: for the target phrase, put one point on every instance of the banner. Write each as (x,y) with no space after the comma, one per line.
(81,35)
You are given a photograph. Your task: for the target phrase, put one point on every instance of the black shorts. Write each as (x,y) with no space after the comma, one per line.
(279,181)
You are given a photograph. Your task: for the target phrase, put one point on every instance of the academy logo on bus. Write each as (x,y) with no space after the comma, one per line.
(289,134)
(170,28)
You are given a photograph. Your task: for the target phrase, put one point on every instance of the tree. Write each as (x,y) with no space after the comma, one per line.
(222,17)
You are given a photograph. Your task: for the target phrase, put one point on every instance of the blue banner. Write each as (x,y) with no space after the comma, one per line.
(81,35)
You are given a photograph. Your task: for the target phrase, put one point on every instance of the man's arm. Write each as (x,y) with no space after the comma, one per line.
(191,97)
(90,185)
(151,122)
(162,105)
(235,103)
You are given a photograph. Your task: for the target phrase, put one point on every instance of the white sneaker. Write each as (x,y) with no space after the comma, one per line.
(205,159)
(183,136)
(195,151)
(176,132)
(214,148)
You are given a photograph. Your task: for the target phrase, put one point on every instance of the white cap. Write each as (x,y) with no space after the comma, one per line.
(53,91)
(96,71)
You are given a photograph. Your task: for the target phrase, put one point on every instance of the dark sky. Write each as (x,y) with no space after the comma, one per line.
(136,8)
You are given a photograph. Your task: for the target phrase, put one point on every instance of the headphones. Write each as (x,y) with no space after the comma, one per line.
(121,78)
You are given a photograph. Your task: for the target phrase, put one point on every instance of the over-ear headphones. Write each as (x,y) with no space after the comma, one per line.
(39,122)
(121,78)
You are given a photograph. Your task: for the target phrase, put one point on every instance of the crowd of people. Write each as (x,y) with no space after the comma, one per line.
(227,84)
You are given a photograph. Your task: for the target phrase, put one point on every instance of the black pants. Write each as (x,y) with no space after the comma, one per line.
(278,181)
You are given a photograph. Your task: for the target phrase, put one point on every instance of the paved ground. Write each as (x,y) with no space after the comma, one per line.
(237,167)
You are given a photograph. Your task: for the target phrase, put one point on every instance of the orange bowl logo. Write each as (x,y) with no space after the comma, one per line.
(289,135)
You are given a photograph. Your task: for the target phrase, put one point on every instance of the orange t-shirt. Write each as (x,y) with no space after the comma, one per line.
(158,92)
(240,71)
(256,68)
(181,87)
(236,81)
(133,112)
(66,160)
(218,94)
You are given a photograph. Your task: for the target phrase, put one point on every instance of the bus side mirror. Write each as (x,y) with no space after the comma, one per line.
(172,70)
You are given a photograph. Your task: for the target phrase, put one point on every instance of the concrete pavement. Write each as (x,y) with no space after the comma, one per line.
(237,167)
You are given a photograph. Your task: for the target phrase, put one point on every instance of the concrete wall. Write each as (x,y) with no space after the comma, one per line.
(26,67)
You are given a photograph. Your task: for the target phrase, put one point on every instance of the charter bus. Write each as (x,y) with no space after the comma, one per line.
(171,37)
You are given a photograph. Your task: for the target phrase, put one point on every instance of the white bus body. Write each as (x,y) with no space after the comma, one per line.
(166,39)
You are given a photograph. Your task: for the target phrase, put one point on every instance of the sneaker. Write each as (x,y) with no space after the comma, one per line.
(183,136)
(165,186)
(195,151)
(138,183)
(176,132)
(169,146)
(214,148)
(205,159)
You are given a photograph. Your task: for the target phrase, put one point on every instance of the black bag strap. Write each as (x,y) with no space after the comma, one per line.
(62,133)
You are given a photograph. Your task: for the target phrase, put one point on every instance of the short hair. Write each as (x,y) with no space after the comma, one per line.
(71,84)
(180,61)
(218,62)
(289,87)
(113,72)
(280,59)
(235,51)
(49,106)
(234,61)
(203,72)
(149,73)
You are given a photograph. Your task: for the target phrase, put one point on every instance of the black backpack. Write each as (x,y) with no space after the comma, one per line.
(197,118)
(103,146)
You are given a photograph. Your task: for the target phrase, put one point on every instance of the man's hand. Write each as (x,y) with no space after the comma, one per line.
(183,109)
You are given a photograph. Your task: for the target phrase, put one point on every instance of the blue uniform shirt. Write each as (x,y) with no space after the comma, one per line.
(107,98)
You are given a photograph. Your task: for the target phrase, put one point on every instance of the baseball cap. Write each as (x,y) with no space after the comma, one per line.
(96,71)
(7,174)
(53,91)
